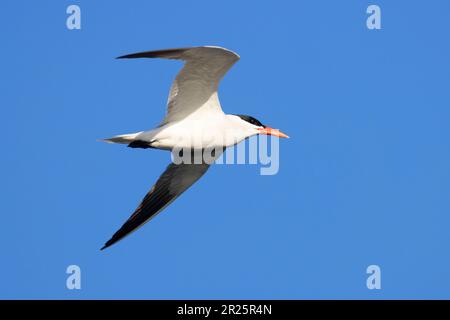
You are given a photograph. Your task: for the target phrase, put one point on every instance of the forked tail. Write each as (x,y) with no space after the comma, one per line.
(123,138)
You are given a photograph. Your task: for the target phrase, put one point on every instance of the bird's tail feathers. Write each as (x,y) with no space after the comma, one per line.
(123,138)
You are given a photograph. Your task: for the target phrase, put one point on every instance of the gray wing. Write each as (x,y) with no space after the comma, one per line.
(174,181)
(197,82)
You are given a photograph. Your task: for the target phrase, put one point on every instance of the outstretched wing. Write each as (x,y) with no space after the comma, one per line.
(174,181)
(197,82)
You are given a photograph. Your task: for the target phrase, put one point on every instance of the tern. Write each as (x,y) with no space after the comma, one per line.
(194,121)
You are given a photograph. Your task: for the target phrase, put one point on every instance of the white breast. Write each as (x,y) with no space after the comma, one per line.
(216,130)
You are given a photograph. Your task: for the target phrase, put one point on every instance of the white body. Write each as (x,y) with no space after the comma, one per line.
(221,130)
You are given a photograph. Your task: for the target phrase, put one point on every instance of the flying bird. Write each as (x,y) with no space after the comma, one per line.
(194,122)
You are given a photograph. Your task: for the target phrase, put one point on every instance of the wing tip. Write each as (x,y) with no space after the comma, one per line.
(126,56)
(145,54)
(176,53)
(107,244)
(165,53)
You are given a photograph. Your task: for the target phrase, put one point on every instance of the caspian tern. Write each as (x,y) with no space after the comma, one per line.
(194,121)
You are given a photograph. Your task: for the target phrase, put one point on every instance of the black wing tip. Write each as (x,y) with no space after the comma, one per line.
(137,55)
(107,244)
(127,56)
(146,54)
(165,53)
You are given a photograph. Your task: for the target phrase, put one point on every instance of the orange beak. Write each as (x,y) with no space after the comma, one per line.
(272,132)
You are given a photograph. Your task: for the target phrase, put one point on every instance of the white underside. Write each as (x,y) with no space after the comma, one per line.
(217,130)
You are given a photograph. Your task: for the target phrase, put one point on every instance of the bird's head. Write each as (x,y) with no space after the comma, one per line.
(256,127)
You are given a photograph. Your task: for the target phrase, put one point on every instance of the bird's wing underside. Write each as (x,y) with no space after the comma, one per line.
(198,80)
(174,181)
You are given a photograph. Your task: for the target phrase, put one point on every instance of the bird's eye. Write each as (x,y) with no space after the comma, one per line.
(250,120)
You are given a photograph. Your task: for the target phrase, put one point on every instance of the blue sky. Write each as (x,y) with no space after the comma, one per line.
(364,179)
